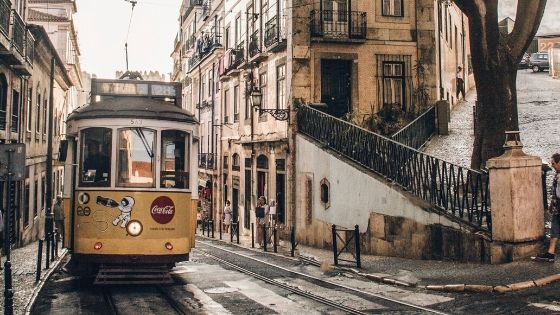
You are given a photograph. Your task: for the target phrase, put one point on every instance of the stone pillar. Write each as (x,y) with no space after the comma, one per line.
(516,202)
(442,108)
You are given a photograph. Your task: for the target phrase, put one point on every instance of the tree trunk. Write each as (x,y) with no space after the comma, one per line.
(497,109)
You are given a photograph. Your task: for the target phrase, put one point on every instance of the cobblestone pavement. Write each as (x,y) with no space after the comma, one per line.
(24,266)
(539,121)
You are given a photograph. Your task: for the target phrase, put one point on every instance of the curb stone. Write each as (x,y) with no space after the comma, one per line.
(518,286)
(43,281)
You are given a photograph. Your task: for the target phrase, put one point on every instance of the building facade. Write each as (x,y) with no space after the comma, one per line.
(32,34)
(347,58)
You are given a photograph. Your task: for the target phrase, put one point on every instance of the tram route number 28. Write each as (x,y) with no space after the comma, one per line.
(136,122)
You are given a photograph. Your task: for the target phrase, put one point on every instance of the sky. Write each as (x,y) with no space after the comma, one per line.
(550,22)
(102,28)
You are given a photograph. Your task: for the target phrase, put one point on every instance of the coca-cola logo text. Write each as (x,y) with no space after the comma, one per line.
(162,209)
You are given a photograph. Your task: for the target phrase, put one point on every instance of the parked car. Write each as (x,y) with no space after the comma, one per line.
(524,63)
(539,62)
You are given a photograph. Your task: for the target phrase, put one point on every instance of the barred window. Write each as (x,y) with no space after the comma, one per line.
(392,8)
(393,83)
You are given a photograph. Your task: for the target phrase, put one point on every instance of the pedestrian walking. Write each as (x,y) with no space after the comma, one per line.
(59,216)
(554,209)
(227,216)
(460,83)
(261,212)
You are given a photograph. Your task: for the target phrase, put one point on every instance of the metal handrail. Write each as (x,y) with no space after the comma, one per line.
(454,189)
(418,131)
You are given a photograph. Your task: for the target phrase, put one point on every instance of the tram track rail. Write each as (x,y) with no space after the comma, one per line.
(113,309)
(372,296)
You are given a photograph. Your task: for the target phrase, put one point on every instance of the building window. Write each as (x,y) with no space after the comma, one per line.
(37,203)
(38,114)
(394,80)
(264,91)
(44,191)
(26,206)
(3,101)
(235,162)
(45,118)
(226,38)
(392,8)
(226,163)
(236,103)
(29,109)
(203,89)
(226,105)
(281,87)
(210,83)
(15,111)
(325,193)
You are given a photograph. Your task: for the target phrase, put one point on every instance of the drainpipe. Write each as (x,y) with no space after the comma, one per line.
(440,12)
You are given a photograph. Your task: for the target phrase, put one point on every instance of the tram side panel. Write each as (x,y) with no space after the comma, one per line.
(128,226)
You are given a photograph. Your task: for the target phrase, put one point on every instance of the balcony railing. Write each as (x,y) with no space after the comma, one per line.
(29,47)
(192,5)
(2,120)
(254,44)
(338,24)
(18,33)
(206,161)
(274,32)
(5,12)
(205,45)
(239,54)
(206,7)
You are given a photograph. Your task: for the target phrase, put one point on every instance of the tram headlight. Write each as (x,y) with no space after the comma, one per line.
(134,228)
(98,245)
(169,246)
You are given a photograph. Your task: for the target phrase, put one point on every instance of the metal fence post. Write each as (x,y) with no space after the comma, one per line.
(212,222)
(264,236)
(252,235)
(47,259)
(357,237)
(335,251)
(56,239)
(231,232)
(220,230)
(274,234)
(237,230)
(39,261)
(293,242)
(53,245)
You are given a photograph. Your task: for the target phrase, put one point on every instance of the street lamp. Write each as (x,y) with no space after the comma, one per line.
(256,101)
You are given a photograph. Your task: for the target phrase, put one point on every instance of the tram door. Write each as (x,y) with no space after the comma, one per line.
(235,198)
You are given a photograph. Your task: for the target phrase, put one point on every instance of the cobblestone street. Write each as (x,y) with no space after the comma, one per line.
(538,102)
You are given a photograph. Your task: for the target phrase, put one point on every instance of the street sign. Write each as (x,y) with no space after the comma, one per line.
(13,154)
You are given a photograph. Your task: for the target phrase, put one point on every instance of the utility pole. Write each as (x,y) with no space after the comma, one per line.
(49,215)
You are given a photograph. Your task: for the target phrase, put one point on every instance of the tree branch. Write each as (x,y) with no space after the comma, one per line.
(527,20)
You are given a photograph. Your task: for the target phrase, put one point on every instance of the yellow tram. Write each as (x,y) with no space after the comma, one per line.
(131,159)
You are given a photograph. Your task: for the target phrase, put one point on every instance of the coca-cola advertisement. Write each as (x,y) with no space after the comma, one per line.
(162,209)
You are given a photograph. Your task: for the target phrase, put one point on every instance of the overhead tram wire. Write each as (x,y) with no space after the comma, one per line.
(133,3)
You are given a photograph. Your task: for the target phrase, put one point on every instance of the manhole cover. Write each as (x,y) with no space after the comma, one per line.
(219,290)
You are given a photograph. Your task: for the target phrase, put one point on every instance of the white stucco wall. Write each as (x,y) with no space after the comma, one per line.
(353,193)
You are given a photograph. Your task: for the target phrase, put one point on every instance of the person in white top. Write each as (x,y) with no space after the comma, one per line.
(227,216)
(460,83)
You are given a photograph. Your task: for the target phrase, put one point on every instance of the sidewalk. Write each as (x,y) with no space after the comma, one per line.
(427,274)
(24,267)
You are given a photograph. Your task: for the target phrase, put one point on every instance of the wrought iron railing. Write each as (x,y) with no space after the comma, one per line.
(456,190)
(192,5)
(2,119)
(338,24)
(206,160)
(5,12)
(239,54)
(254,44)
(206,7)
(193,61)
(274,32)
(29,47)
(418,131)
(18,32)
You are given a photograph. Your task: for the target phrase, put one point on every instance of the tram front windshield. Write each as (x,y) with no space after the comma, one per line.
(96,157)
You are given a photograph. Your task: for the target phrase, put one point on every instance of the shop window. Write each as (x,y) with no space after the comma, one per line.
(325,193)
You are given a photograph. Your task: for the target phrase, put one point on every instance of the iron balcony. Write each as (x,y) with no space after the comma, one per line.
(338,25)
(275,34)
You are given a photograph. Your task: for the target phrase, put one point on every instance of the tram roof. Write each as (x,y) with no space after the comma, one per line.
(132,107)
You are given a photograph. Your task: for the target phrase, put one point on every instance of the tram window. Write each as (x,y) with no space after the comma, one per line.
(174,173)
(136,158)
(96,157)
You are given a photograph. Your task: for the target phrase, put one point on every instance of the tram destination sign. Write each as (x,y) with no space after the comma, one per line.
(15,154)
